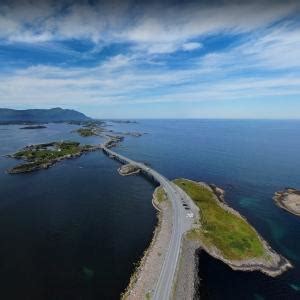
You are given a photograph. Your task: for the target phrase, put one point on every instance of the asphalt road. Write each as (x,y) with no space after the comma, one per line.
(181,223)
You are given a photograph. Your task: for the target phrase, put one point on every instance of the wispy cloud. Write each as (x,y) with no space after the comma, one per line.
(230,74)
(161,28)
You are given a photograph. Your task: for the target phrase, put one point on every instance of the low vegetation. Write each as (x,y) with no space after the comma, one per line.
(48,151)
(220,228)
(160,195)
(44,155)
(87,131)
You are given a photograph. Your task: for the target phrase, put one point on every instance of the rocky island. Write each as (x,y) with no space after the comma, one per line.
(128,169)
(288,199)
(43,156)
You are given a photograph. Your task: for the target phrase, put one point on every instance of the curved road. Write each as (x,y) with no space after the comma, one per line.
(182,221)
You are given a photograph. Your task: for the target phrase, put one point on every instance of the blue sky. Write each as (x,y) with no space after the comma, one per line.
(129,59)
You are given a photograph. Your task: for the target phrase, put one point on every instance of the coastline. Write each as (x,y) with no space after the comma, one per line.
(187,282)
(273,265)
(281,199)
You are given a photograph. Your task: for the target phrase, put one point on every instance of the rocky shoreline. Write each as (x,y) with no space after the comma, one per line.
(288,199)
(126,170)
(148,269)
(112,140)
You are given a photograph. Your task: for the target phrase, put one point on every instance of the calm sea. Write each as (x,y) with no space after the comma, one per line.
(76,230)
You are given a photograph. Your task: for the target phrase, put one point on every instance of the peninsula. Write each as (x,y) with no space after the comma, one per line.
(226,235)
(288,199)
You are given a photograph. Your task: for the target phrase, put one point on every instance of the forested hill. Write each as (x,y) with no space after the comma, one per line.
(40,115)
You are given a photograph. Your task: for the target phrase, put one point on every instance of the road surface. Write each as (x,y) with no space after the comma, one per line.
(184,212)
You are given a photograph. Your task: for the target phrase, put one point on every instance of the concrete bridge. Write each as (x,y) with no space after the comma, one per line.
(182,221)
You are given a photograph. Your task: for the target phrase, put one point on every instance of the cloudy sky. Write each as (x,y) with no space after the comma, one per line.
(173,59)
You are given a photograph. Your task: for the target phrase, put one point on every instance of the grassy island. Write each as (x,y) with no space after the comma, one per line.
(87,131)
(226,235)
(231,234)
(42,156)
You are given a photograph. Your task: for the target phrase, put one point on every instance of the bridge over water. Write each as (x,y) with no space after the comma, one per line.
(180,224)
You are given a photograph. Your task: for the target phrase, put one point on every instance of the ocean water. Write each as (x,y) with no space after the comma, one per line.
(75,231)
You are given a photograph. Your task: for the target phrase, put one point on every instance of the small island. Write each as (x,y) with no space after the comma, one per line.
(288,199)
(87,131)
(34,127)
(43,156)
(128,169)
(92,128)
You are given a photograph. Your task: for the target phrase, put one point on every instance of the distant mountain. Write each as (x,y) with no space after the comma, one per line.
(41,115)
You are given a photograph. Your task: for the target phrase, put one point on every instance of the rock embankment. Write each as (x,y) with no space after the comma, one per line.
(288,199)
(112,140)
(128,169)
(220,194)
(187,280)
(143,280)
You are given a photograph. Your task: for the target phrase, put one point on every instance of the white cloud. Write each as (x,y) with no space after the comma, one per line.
(271,49)
(121,79)
(154,29)
(191,46)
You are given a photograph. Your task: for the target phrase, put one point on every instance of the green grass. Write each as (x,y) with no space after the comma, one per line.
(46,154)
(86,132)
(232,235)
(160,195)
